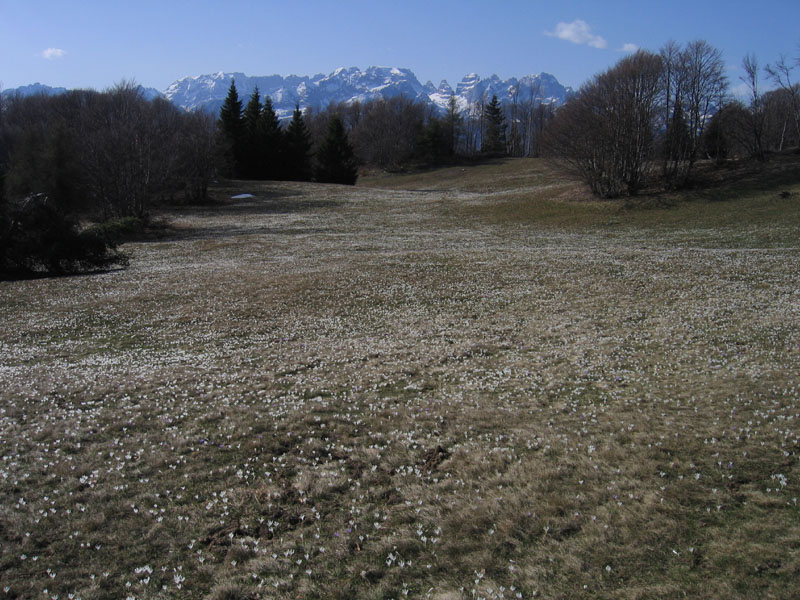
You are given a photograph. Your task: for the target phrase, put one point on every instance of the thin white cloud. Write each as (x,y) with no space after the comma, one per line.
(52,53)
(578,32)
(629,47)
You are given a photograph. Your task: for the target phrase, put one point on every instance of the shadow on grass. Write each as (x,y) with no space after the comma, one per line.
(37,275)
(220,233)
(261,201)
(734,180)
(728,183)
(731,195)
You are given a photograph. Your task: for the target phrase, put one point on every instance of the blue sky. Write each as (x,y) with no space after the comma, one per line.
(96,44)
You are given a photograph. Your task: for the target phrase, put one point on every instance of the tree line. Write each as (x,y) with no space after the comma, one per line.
(255,146)
(104,156)
(387,133)
(397,133)
(653,116)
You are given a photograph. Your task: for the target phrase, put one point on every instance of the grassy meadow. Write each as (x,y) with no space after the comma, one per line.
(474,382)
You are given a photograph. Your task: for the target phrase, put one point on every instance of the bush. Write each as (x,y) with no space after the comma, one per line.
(37,238)
(605,134)
(115,231)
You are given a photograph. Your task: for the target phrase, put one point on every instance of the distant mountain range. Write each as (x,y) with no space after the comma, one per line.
(38,88)
(208,92)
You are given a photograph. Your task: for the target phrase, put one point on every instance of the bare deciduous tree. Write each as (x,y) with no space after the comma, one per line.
(693,88)
(387,133)
(757,114)
(198,154)
(781,74)
(606,133)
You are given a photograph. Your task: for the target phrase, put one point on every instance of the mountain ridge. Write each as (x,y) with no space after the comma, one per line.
(346,84)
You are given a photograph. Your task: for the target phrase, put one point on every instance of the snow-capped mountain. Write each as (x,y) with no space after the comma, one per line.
(33,89)
(542,88)
(36,89)
(208,92)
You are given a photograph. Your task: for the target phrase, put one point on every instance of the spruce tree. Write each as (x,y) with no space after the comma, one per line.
(453,120)
(494,138)
(231,128)
(251,142)
(270,143)
(336,161)
(434,145)
(298,149)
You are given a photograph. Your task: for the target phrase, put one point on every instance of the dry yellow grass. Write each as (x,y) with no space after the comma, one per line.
(473,388)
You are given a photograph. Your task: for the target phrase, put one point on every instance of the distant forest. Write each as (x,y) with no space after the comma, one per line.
(389,134)
(109,157)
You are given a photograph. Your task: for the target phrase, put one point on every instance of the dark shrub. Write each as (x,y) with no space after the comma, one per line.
(38,238)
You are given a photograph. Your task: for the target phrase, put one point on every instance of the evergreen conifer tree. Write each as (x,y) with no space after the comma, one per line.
(231,128)
(298,149)
(434,145)
(271,143)
(454,121)
(336,161)
(252,150)
(494,138)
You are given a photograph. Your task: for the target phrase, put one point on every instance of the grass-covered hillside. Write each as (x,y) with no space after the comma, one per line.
(475,382)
